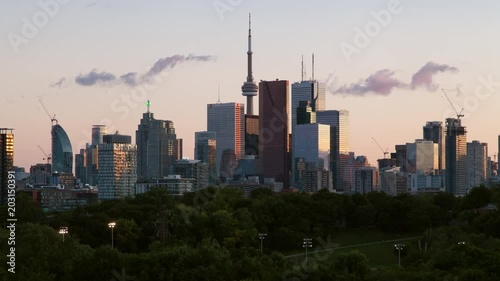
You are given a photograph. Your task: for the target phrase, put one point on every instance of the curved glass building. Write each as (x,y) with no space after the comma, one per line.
(62,152)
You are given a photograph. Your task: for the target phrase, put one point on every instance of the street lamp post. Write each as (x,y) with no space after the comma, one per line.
(307,244)
(399,247)
(262,236)
(63,230)
(112,226)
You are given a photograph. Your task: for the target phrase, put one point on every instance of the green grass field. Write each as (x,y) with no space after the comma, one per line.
(376,245)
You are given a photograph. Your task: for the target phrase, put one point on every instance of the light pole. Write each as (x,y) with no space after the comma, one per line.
(112,226)
(63,230)
(399,247)
(262,236)
(307,244)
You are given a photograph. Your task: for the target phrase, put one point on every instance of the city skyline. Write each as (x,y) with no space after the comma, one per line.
(79,106)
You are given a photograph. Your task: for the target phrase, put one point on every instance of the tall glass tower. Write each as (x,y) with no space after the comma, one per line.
(227,120)
(117,174)
(434,131)
(456,157)
(156,147)
(339,144)
(205,150)
(62,152)
(274,136)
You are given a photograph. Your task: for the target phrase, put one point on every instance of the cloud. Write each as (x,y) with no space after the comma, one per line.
(58,84)
(133,79)
(93,77)
(424,77)
(383,81)
(129,78)
(162,64)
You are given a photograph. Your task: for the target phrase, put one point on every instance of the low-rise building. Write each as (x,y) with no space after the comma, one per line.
(175,184)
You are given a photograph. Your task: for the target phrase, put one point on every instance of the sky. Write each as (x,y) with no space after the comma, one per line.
(95,62)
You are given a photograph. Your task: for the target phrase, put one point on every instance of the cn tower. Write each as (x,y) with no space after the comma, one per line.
(249,88)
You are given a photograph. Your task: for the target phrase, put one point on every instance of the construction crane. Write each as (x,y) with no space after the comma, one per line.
(459,114)
(47,157)
(52,118)
(386,153)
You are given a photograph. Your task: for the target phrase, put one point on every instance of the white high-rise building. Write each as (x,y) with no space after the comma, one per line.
(227,120)
(117,174)
(477,157)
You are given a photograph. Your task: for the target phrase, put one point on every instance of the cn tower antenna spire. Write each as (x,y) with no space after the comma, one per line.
(249,87)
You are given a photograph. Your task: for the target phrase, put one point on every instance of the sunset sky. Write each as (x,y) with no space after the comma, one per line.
(81,57)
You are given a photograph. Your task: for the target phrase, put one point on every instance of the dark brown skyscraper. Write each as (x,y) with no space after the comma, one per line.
(273,130)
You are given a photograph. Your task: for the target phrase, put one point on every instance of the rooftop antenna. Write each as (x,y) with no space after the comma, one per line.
(218,92)
(148,104)
(313,67)
(302,69)
(305,71)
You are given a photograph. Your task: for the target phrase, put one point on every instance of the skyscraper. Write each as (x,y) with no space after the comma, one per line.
(456,154)
(98,131)
(477,158)
(434,131)
(62,152)
(339,143)
(227,120)
(304,115)
(81,166)
(156,147)
(312,150)
(367,180)
(423,156)
(6,160)
(251,135)
(249,88)
(273,130)
(180,149)
(205,151)
(312,91)
(92,151)
(117,174)
(401,157)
